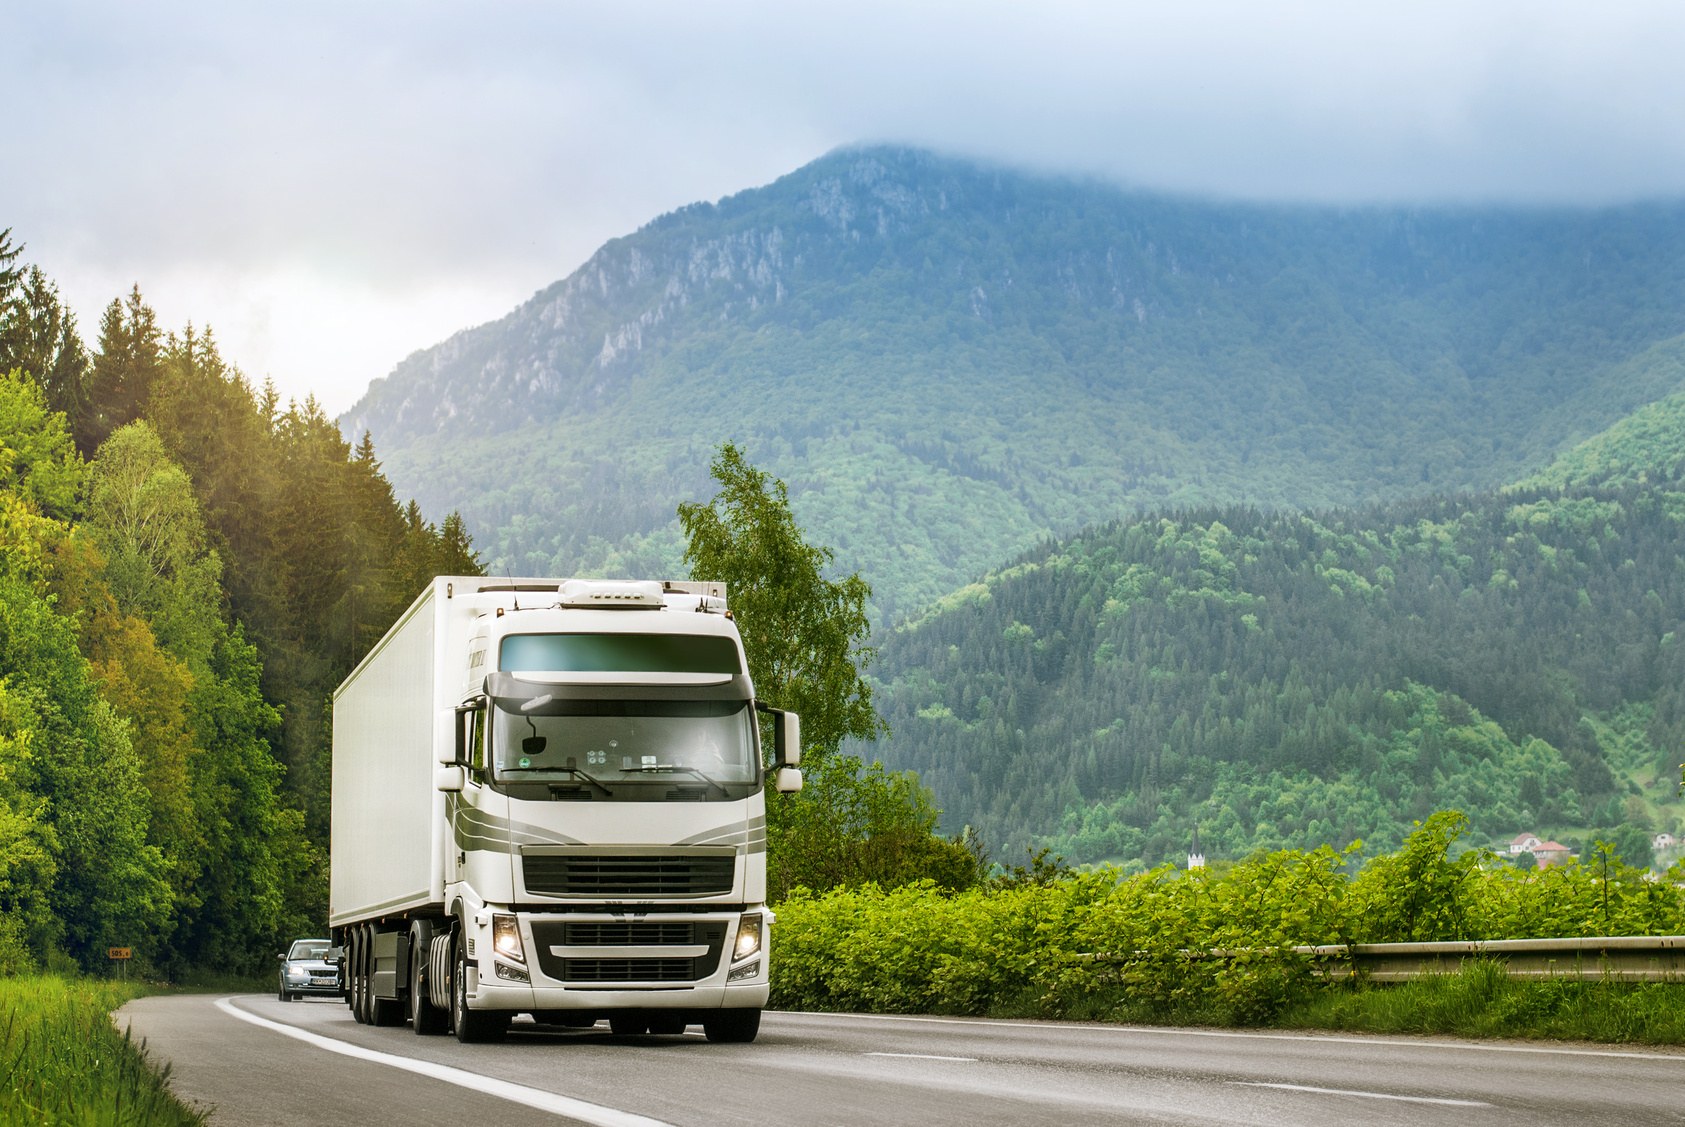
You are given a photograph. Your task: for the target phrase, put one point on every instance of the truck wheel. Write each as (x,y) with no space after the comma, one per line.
(365,973)
(628,1026)
(354,964)
(732,1025)
(471,1026)
(425,1018)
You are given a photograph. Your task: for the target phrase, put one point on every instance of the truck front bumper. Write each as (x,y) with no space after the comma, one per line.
(581,961)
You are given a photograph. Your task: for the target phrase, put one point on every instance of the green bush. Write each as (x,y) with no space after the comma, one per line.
(1195,945)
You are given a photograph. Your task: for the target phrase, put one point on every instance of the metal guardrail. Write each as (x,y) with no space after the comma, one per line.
(1622,958)
(1626,958)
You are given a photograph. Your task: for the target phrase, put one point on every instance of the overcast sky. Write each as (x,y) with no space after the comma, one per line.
(333,186)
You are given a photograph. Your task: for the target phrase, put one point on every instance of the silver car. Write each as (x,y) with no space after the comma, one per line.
(305,970)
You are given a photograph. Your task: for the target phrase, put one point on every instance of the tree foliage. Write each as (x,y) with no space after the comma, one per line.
(186,570)
(804,633)
(804,636)
(1287,680)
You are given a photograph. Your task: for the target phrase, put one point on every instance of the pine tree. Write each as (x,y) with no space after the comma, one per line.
(125,369)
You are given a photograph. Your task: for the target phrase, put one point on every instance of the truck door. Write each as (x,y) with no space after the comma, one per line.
(480,820)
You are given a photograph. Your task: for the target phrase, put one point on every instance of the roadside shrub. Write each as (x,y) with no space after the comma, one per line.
(1193,945)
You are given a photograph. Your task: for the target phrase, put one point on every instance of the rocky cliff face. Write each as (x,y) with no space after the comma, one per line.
(948,361)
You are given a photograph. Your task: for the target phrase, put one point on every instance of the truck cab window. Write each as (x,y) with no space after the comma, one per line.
(628,750)
(477,742)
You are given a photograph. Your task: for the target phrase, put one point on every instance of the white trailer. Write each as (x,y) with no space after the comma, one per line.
(548,799)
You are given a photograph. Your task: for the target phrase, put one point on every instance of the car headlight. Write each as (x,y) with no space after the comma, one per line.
(506,938)
(297,974)
(748,937)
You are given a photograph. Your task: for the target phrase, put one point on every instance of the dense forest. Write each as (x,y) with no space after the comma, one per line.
(1288,680)
(187,569)
(948,362)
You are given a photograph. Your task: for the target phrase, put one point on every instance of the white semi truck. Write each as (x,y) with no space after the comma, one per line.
(548,799)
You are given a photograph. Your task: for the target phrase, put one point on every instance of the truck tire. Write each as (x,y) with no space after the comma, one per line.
(426,1019)
(733,1026)
(471,1026)
(354,966)
(365,977)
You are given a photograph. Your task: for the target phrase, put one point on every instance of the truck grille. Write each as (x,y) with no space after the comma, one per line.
(628,876)
(629,970)
(628,935)
(613,933)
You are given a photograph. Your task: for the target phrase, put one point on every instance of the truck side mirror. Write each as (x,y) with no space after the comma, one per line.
(462,756)
(787,780)
(787,740)
(448,778)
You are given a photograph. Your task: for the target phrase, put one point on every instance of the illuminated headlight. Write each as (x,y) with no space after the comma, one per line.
(298,974)
(748,937)
(506,938)
(512,974)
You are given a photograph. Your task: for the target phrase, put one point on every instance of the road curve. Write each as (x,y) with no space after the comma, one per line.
(842,1069)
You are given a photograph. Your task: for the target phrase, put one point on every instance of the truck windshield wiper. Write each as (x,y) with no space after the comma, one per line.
(575,771)
(682,767)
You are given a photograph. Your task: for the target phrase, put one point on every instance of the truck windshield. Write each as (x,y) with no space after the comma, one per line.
(612,744)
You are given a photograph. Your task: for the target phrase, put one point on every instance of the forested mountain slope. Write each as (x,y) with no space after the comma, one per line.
(949,362)
(1647,445)
(1284,679)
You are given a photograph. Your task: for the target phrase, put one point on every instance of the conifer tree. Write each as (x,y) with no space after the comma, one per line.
(124,369)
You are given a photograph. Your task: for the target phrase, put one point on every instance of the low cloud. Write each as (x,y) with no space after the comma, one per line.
(333,188)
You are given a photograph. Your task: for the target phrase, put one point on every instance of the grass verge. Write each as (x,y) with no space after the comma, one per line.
(1481,1001)
(1478,1001)
(62,1062)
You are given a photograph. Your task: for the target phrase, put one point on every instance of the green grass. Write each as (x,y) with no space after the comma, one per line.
(62,1061)
(1480,1001)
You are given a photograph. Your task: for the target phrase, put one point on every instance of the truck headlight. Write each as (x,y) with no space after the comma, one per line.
(506,938)
(748,937)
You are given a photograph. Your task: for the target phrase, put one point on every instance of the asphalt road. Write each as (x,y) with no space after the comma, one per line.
(290,1066)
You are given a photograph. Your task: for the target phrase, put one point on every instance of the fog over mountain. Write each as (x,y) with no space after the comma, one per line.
(949,361)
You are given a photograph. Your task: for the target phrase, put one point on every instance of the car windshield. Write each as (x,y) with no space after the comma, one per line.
(309,949)
(700,742)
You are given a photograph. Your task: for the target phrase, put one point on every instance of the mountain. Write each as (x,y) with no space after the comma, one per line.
(950,362)
(1299,679)
(1647,444)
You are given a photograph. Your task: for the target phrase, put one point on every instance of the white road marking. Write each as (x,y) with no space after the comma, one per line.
(1365,1095)
(591,1113)
(1459,1046)
(918,1056)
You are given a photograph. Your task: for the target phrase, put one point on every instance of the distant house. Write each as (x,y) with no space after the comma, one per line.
(1524,843)
(1548,853)
(1664,840)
